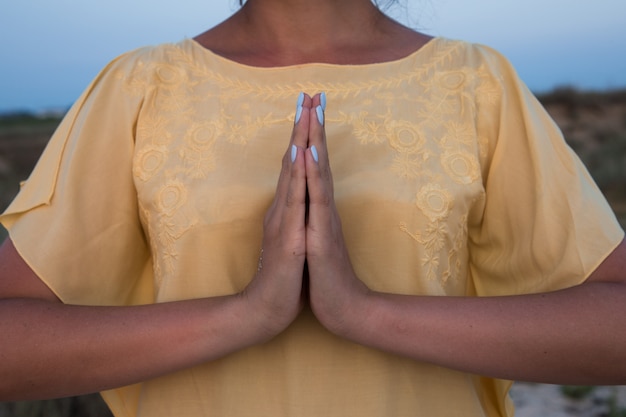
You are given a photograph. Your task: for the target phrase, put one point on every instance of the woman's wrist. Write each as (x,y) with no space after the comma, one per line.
(262,320)
(351,317)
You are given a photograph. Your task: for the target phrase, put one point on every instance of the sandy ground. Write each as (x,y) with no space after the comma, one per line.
(539,400)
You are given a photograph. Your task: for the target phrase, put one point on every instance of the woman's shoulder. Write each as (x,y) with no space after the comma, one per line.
(465,50)
(146,66)
(449,54)
(149,55)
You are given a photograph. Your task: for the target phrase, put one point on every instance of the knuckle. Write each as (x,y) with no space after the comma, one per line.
(290,200)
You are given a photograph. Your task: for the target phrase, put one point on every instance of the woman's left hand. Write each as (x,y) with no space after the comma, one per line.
(336,294)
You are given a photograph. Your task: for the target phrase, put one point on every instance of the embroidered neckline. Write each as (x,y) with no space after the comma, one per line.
(340,80)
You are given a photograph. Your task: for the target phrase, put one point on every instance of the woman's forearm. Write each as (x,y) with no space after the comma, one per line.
(51,350)
(574,336)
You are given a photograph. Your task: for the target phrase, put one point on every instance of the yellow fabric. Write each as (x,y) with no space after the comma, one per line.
(449,177)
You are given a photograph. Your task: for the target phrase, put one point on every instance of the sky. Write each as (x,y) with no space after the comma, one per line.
(51,49)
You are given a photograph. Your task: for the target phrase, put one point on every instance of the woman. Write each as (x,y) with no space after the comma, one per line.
(159,247)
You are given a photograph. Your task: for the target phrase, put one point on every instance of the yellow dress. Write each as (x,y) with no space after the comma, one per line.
(450,179)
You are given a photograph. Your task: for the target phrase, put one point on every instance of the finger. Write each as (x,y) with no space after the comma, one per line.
(317,131)
(319,177)
(290,200)
(294,203)
(299,138)
(300,132)
(317,139)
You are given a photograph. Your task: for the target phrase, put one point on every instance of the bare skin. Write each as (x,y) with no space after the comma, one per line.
(272,33)
(582,341)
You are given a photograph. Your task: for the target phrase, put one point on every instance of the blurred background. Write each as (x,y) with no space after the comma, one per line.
(569,52)
(50,50)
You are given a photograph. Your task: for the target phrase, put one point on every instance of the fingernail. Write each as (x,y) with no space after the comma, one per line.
(323,100)
(320,114)
(298,114)
(314,153)
(294,153)
(299,107)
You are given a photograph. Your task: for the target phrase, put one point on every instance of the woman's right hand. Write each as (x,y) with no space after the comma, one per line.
(275,293)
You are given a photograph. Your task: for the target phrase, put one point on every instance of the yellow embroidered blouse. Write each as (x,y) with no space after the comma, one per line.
(449,177)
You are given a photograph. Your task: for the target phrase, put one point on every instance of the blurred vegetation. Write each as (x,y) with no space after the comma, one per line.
(594,124)
(82,406)
(577,392)
(611,404)
(28,122)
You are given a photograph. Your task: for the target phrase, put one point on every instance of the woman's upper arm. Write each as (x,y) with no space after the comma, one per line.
(17,279)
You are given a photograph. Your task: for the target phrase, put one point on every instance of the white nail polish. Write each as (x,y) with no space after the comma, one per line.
(323,100)
(298,114)
(314,153)
(294,152)
(320,114)
(300,100)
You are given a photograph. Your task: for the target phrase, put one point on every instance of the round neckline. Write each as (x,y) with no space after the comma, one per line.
(199,48)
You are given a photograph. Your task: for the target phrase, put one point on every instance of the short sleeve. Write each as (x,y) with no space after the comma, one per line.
(75,220)
(545,224)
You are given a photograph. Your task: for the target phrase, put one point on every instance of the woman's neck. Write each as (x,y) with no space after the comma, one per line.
(270,33)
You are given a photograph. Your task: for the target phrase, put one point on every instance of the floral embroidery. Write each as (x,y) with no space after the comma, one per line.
(240,133)
(408,166)
(170,75)
(171,223)
(462,167)
(405,137)
(149,161)
(422,121)
(451,80)
(432,239)
(365,130)
(455,260)
(434,202)
(171,197)
(201,136)
(197,155)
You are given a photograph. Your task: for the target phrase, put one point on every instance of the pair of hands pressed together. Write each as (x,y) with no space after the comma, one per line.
(302,226)
(575,335)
